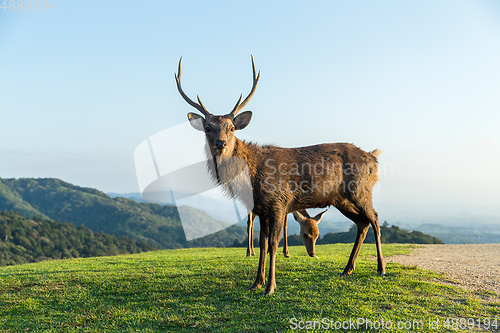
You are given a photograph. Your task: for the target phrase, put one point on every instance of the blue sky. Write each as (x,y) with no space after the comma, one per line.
(83,85)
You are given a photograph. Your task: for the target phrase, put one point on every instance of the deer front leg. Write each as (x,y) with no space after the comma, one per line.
(285,239)
(275,226)
(259,281)
(250,223)
(271,281)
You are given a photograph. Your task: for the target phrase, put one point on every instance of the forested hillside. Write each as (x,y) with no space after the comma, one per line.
(24,240)
(158,225)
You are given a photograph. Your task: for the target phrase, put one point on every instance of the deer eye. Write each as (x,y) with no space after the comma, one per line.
(232,129)
(207,129)
(306,235)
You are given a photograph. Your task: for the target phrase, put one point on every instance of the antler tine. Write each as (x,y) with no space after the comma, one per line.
(201,104)
(236,106)
(200,107)
(239,106)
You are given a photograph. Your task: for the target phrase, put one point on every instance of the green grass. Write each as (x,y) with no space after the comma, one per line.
(206,290)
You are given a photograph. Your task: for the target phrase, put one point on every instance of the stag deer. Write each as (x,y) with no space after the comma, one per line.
(285,180)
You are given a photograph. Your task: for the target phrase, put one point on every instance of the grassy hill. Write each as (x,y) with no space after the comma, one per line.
(55,199)
(206,290)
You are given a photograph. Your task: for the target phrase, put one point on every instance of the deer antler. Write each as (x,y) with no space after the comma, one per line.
(200,107)
(239,106)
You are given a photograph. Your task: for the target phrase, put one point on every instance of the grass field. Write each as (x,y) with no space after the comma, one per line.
(206,290)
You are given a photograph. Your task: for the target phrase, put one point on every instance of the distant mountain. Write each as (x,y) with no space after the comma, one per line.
(24,240)
(136,196)
(54,199)
(452,223)
(468,234)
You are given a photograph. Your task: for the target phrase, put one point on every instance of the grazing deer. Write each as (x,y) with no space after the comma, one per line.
(309,231)
(285,180)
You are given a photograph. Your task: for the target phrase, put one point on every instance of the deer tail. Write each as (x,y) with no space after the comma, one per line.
(376,152)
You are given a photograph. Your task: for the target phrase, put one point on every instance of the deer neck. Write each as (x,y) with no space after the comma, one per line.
(235,173)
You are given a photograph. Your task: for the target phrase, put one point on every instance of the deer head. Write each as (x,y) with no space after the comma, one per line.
(309,231)
(219,130)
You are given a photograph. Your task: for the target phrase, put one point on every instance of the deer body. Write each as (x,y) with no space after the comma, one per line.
(285,180)
(278,186)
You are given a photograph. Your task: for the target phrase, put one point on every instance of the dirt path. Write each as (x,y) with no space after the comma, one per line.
(471,266)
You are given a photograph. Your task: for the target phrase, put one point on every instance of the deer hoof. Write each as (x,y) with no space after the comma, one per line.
(267,292)
(380,273)
(254,287)
(287,255)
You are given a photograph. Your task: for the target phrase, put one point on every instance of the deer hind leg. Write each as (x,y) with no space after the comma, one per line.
(360,237)
(285,239)
(349,210)
(250,223)
(363,214)
(263,240)
(372,216)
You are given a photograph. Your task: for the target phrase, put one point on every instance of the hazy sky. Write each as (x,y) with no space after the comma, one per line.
(81,86)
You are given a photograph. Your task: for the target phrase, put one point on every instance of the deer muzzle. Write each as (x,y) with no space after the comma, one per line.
(220,144)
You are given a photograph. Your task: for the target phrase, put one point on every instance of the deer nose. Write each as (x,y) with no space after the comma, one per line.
(220,144)
(312,254)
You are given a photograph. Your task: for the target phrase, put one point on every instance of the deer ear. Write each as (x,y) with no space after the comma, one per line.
(304,213)
(318,217)
(298,217)
(197,121)
(242,120)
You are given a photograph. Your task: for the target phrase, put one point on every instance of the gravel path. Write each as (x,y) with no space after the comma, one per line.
(471,266)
